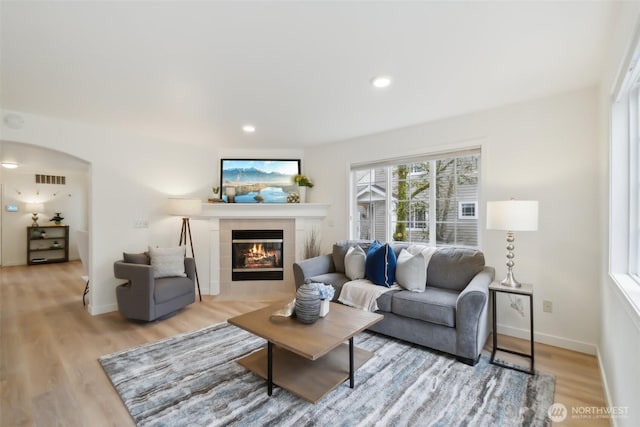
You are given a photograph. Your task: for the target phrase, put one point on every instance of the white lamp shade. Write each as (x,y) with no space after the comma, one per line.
(185,207)
(512,215)
(34,207)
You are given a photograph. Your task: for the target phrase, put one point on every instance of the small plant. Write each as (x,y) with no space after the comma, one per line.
(57,218)
(302,181)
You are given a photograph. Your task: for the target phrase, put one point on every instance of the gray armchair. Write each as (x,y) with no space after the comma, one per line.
(146,298)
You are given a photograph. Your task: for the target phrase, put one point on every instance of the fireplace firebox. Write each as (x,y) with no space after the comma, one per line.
(257,255)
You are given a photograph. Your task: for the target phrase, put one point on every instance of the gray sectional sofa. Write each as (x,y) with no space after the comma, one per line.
(451,315)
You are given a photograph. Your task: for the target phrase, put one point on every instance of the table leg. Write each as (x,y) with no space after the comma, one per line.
(532,353)
(269,368)
(494,334)
(351,379)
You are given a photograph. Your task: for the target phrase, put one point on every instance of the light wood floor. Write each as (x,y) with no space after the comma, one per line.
(49,373)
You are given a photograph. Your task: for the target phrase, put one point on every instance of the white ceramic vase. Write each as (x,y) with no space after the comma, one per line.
(302,191)
(324,307)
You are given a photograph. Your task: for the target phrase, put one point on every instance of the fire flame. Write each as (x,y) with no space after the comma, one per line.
(258,253)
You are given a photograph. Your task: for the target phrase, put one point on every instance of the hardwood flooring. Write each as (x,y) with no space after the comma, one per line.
(50,375)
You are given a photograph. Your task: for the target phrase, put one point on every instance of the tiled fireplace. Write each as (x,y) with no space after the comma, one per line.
(276,257)
(238,280)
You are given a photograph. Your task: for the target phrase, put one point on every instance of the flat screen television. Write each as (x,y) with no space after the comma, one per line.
(257,180)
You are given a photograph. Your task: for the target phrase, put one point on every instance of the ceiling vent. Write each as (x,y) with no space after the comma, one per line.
(50,179)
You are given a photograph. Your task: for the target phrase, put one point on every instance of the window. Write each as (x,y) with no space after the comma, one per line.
(428,199)
(468,210)
(624,209)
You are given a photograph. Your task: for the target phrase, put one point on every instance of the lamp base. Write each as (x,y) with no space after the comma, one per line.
(34,218)
(510,280)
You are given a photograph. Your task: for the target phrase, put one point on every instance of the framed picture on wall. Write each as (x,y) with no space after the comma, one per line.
(257,180)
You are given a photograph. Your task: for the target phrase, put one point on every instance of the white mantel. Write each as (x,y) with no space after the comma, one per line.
(264,210)
(306,216)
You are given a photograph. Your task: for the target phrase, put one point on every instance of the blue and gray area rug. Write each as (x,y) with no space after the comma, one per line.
(193,380)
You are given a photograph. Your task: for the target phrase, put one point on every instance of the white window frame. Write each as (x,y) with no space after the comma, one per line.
(461,214)
(431,219)
(624,185)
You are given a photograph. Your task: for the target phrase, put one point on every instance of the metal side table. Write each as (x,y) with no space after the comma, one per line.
(524,290)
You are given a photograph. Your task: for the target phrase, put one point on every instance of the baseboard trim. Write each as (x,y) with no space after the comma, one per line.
(553,340)
(102,309)
(605,385)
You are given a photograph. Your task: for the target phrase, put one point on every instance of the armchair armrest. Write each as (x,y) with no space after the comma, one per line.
(316,266)
(140,277)
(471,314)
(190,268)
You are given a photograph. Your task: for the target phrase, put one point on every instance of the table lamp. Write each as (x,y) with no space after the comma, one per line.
(35,209)
(512,215)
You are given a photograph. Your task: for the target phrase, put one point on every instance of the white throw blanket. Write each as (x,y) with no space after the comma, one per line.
(362,294)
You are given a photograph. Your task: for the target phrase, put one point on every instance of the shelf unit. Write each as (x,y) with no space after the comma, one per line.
(47,244)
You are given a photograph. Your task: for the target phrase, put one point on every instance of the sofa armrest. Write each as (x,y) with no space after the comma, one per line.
(471,314)
(315,266)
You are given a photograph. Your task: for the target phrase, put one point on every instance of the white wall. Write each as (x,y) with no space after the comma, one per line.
(619,345)
(19,188)
(131,177)
(543,150)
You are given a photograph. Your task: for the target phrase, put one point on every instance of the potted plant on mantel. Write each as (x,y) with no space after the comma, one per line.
(303,182)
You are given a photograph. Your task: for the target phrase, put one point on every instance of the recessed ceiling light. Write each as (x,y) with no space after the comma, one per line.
(249,128)
(381,82)
(9,165)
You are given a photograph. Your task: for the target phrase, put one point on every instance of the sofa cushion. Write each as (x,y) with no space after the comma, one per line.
(380,266)
(411,271)
(434,305)
(453,268)
(384,300)
(334,279)
(338,254)
(168,288)
(354,263)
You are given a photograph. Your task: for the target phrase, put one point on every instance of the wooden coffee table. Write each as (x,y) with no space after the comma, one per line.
(307,360)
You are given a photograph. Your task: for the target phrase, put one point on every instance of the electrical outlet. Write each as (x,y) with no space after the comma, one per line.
(547,306)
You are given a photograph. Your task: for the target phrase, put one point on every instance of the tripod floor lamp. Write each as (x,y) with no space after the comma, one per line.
(186,208)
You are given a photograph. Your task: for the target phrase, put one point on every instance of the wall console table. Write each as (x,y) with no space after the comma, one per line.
(524,290)
(47,244)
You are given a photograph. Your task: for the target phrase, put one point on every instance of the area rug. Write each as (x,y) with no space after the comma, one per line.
(193,380)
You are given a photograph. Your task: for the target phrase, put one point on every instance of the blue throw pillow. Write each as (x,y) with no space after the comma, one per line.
(380,265)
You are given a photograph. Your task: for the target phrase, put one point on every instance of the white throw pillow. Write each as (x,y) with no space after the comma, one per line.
(411,271)
(167,262)
(427,251)
(354,263)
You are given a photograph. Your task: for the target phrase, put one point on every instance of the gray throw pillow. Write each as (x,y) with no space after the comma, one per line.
(167,262)
(141,258)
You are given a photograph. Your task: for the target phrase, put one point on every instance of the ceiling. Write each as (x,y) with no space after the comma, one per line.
(197,71)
